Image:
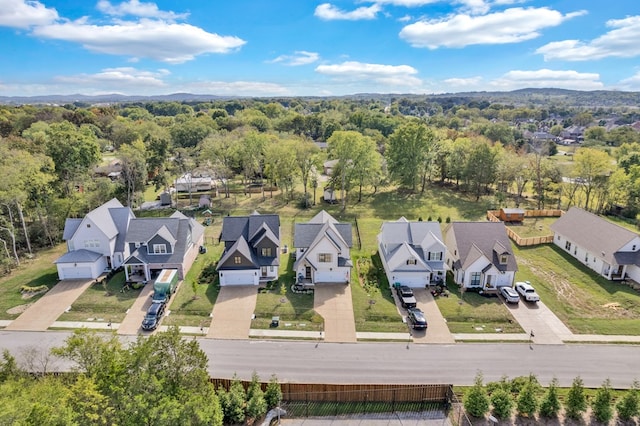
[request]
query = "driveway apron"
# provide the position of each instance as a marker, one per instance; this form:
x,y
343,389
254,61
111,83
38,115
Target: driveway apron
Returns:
x,y
547,328
232,312
135,315
437,331
43,313
333,302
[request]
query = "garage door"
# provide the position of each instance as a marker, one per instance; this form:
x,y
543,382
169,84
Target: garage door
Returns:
x,y
75,273
413,280
238,278
330,277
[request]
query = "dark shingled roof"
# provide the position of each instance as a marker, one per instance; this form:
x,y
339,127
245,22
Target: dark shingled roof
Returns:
x,y
305,233
474,237
235,226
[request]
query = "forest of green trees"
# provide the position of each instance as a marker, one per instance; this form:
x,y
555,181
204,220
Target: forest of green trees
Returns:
x,y
49,154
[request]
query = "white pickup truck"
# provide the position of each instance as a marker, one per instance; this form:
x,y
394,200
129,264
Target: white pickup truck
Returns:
x,y
527,292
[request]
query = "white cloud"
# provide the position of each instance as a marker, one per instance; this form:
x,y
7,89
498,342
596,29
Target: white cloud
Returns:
x,y
543,78
463,83
390,75
25,14
330,12
162,41
299,57
235,88
136,8
621,41
117,77
508,26
632,83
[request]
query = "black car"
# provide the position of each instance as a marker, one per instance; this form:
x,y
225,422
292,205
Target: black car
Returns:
x,y
417,319
154,313
407,299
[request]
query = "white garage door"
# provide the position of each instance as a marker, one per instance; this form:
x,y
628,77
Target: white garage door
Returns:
x,y
238,278
72,273
330,277
413,280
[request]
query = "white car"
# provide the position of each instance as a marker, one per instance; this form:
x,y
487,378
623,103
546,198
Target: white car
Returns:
x,y
527,291
510,295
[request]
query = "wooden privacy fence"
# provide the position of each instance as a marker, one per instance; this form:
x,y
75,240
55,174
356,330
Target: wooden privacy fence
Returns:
x,y
440,393
492,216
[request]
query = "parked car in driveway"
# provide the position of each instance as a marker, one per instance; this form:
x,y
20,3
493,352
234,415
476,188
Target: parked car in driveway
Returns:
x,y
510,295
416,318
526,290
152,319
405,294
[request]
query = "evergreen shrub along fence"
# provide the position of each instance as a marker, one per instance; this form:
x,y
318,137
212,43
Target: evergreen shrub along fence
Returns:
x,y
492,216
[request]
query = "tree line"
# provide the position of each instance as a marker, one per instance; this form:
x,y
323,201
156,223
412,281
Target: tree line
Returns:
x,y
49,155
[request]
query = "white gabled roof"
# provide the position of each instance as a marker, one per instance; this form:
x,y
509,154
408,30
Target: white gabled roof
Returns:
x,y
398,258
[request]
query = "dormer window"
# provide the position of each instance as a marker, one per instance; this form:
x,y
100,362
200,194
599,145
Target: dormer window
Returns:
x,y
159,249
237,260
266,251
504,259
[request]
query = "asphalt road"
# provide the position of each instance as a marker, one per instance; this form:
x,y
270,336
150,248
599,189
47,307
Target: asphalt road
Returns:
x,y
312,362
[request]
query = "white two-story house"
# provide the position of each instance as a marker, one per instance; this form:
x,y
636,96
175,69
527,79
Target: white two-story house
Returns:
x,y
322,250
95,243
412,253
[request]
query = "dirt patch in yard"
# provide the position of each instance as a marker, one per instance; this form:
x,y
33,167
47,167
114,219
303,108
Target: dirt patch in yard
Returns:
x,y
17,310
578,301
29,294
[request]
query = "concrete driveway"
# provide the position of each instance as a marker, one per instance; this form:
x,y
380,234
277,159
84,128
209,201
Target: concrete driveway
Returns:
x,y
232,312
437,331
132,321
537,317
333,302
43,313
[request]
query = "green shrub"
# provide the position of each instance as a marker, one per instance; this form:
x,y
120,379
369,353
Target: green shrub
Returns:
x,y
576,402
629,406
273,393
602,403
550,405
502,402
527,404
476,400
256,403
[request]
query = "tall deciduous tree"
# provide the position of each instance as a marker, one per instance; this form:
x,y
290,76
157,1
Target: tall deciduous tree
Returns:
x,y
74,152
409,153
591,165
134,169
307,159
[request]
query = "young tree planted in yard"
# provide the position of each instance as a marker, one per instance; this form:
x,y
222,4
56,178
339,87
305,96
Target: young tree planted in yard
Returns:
x,y
502,402
256,402
602,404
273,393
235,400
476,400
550,405
629,405
576,402
527,404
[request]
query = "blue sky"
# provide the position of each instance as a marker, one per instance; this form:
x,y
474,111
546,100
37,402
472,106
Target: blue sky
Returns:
x,y
316,48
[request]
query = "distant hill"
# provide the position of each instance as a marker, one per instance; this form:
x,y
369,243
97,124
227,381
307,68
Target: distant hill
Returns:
x,y
534,97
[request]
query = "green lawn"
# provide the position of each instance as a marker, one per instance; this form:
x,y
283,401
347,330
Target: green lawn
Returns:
x,y
34,272
534,227
102,302
584,301
471,313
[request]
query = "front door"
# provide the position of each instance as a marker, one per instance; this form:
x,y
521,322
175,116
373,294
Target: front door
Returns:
x,y
307,273
263,270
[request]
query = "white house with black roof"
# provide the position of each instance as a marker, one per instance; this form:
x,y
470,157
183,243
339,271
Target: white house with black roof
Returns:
x,y
480,255
412,253
110,236
323,250
95,243
608,249
251,249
